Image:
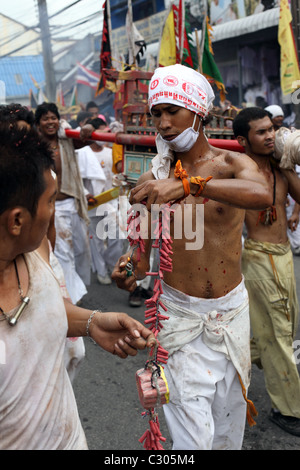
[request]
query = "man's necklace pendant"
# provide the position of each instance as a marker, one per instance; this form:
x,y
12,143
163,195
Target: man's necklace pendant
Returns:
x,y
267,216
13,320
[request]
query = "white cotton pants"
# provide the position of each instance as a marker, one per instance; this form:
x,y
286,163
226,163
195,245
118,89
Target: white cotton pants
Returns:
x,y
72,248
207,411
105,253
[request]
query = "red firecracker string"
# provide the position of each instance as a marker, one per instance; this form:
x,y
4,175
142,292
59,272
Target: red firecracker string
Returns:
x,y
152,438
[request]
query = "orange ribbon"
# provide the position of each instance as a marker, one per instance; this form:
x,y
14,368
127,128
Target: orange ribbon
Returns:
x,y
201,182
180,173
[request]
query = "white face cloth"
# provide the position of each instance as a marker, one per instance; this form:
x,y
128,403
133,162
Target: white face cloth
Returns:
x,y
184,141
181,86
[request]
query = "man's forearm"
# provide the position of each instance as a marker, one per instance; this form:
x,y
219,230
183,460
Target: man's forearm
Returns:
x,y
77,319
239,193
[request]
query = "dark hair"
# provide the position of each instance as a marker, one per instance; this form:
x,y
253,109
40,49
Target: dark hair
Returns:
x,y
97,122
23,159
83,115
14,112
44,108
241,121
91,104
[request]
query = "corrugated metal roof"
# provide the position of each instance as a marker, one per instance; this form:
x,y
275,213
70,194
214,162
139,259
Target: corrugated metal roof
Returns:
x,y
249,24
16,73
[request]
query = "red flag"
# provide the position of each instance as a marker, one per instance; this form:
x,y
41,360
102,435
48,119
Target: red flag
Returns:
x,y
105,54
179,29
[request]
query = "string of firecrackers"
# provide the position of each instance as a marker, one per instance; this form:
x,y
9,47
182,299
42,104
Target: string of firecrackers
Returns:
x,y
153,371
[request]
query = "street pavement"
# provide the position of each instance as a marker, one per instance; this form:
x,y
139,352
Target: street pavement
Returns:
x,y
107,397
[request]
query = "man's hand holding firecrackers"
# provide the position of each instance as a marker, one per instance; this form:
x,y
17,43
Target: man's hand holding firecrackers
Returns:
x,y
124,279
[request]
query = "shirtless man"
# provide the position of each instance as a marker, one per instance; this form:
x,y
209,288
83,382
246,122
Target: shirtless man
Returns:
x,y
269,273
206,409
37,405
71,217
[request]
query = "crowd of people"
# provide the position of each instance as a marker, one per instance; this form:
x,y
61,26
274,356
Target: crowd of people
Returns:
x,y
231,304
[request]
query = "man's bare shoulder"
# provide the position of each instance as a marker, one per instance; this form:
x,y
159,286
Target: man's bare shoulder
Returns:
x,y
233,163
238,158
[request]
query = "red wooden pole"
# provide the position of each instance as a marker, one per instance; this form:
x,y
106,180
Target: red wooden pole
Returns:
x,y
148,140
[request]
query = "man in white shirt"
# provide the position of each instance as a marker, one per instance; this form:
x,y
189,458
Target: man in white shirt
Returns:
x,y
38,410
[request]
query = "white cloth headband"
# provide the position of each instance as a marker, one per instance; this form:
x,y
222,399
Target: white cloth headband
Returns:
x,y
182,86
275,110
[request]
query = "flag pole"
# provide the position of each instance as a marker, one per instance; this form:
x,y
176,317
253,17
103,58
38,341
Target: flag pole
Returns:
x,y
109,20
130,21
182,13
200,45
198,51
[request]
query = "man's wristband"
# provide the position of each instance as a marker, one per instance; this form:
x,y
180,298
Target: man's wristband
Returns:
x,y
201,182
180,173
87,330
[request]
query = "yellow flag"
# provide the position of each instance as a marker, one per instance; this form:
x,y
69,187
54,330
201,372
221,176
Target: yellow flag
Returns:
x,y
289,66
167,52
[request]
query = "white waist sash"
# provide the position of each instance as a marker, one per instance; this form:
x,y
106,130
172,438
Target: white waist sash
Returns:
x,y
228,332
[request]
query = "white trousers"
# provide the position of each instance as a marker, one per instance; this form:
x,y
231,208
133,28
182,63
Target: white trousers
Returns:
x,y
72,249
105,253
207,411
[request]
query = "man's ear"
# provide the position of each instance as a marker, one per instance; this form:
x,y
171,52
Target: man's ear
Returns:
x,y
241,140
16,219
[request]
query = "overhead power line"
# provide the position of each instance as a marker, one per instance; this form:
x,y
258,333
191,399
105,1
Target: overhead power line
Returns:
x,y
60,29
57,29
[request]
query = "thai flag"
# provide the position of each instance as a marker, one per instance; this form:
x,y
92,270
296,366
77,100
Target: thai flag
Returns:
x,y
86,76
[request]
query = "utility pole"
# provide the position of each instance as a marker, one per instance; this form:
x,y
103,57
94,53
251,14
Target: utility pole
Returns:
x,y
50,91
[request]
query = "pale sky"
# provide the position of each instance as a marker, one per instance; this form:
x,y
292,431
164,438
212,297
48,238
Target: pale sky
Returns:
x,y
26,12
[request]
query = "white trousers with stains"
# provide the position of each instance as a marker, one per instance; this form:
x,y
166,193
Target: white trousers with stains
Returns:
x,y
207,410
72,248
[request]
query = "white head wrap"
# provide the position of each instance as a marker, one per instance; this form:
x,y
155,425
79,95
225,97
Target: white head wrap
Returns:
x,y
275,110
182,86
